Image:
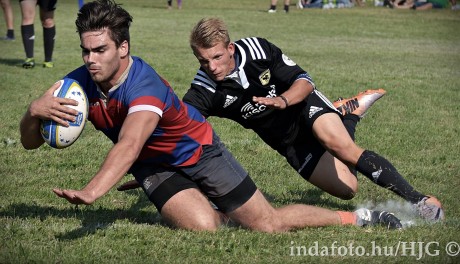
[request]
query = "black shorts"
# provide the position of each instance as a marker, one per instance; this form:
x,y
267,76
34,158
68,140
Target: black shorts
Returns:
x,y
217,175
47,5
306,151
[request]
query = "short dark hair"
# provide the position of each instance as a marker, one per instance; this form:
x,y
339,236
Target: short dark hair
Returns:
x,y
209,32
105,14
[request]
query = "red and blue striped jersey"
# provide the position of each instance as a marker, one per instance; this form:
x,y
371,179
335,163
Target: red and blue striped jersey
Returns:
x,y
181,132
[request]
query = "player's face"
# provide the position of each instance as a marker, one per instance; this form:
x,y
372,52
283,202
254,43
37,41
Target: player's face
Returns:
x,y
102,58
217,61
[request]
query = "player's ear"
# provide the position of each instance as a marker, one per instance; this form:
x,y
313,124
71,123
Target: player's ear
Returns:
x,y
231,48
124,48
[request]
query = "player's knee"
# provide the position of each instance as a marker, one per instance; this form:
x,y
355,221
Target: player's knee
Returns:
x,y
347,194
349,191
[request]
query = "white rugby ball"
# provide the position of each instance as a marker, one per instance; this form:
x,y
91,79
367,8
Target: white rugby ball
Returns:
x,y
56,135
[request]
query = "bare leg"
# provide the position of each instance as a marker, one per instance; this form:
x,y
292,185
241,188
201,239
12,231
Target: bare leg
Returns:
x,y
258,214
190,209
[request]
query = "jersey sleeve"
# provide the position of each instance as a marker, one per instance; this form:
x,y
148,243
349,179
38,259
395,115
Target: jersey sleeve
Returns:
x,y
200,98
147,94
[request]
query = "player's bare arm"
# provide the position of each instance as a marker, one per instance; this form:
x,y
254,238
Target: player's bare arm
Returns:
x,y
136,129
298,91
47,107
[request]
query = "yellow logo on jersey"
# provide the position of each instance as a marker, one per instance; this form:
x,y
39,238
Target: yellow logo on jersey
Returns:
x,y
265,77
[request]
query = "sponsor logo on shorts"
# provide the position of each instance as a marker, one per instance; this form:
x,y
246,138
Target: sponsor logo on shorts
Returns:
x,y
307,159
314,110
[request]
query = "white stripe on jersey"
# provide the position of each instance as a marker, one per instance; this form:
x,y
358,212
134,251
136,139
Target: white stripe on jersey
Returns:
x,y
150,108
202,79
254,48
259,47
250,49
243,78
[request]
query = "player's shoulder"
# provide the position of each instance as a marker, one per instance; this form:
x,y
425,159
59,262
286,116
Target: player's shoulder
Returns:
x,y
203,82
254,48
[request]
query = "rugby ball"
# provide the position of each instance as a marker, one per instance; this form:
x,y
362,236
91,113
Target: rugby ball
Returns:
x,y
56,135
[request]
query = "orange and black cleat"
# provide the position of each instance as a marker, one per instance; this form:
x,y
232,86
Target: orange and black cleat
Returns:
x,y
359,104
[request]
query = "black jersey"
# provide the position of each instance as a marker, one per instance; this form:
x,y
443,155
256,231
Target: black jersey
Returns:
x,y
263,71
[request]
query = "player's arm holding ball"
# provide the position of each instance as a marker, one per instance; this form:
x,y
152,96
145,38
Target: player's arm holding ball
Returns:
x,y
47,107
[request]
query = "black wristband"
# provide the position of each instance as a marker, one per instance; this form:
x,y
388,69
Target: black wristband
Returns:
x,y
284,99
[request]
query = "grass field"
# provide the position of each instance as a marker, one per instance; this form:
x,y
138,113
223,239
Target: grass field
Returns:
x,y
415,56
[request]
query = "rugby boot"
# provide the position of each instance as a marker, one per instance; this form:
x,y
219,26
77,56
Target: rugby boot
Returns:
x,y
48,64
29,63
430,209
366,217
359,104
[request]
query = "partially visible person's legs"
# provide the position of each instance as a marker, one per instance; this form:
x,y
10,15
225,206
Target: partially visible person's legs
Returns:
x,y
49,30
8,12
28,31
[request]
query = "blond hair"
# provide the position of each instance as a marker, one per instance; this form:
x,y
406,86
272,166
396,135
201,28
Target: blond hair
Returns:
x,y
208,32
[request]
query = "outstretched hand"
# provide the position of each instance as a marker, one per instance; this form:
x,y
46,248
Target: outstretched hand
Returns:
x,y
75,197
272,102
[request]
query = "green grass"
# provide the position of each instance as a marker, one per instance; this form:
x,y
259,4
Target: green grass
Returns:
x,y
415,56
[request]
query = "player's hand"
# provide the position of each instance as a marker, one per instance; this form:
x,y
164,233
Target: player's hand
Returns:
x,y
273,102
75,197
49,107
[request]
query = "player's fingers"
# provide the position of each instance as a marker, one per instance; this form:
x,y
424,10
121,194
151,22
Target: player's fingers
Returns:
x,y
67,101
58,192
54,87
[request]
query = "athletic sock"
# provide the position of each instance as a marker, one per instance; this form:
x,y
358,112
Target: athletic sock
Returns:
x,y
286,8
347,218
350,121
10,33
273,7
383,173
49,35
28,38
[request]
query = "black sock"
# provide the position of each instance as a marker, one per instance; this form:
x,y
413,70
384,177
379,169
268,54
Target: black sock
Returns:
x,y
28,38
381,172
10,33
48,39
286,8
273,7
350,121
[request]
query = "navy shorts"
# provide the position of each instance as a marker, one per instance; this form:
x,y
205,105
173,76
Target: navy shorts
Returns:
x,y
304,153
217,175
